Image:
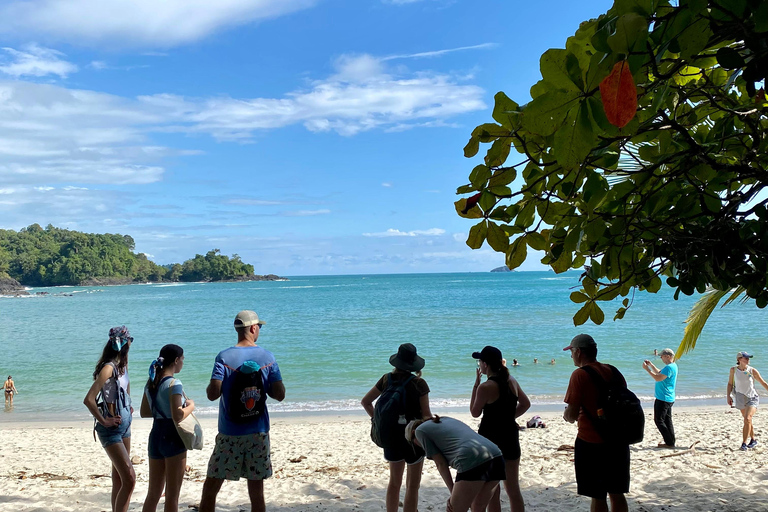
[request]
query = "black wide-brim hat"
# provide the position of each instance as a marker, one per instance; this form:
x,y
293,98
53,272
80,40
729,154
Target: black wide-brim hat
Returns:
x,y
407,359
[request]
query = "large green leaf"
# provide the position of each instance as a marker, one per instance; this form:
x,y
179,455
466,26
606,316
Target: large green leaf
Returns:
x,y
554,69
631,34
488,132
477,234
516,253
497,237
479,176
582,315
596,314
694,38
503,176
505,111
536,241
498,152
575,139
545,114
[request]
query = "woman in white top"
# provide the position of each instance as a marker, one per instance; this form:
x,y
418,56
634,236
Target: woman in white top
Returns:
x,y
741,383
112,414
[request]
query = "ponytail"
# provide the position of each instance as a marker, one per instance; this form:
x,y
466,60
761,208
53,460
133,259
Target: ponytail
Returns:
x,y
168,356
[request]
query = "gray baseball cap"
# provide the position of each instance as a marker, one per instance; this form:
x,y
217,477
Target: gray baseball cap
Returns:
x,y
581,341
247,318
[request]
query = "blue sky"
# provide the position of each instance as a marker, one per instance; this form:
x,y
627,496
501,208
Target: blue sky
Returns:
x,y
307,136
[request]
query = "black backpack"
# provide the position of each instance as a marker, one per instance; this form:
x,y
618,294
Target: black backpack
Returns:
x,y
620,417
388,423
246,395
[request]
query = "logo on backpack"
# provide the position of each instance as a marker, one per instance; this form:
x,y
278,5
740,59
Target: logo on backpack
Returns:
x,y
389,421
247,396
620,417
250,397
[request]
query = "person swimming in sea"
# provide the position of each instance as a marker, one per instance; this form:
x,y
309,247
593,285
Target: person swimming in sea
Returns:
x,y
10,391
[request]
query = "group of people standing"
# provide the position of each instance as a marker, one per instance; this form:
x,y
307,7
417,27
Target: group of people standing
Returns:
x,y
245,374
481,459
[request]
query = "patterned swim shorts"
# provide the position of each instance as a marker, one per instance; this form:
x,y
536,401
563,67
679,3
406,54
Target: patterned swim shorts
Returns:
x,y
236,457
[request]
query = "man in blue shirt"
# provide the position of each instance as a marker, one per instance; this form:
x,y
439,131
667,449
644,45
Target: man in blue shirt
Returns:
x,y
242,444
666,378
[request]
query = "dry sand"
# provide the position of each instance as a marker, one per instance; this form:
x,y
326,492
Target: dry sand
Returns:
x,y
328,463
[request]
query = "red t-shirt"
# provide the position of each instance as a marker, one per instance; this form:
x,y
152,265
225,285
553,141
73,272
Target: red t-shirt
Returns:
x,y
583,394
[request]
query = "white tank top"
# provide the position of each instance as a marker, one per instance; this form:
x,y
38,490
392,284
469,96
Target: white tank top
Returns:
x,y
744,382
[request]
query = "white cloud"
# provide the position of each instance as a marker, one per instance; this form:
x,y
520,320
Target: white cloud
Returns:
x,y
386,184
35,61
359,97
306,213
134,23
438,53
396,232
53,135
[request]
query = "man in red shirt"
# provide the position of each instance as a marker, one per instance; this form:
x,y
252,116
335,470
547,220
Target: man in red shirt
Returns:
x,y
601,468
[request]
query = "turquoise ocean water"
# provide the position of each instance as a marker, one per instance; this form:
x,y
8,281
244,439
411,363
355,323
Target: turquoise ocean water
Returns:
x,y
333,335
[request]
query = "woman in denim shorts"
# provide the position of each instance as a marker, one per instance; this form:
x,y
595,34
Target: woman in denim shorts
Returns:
x,y
109,401
164,401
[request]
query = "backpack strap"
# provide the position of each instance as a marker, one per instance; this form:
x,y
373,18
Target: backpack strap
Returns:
x,y
602,389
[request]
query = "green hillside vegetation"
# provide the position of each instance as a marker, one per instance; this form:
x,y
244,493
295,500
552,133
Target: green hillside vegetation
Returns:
x,y
49,257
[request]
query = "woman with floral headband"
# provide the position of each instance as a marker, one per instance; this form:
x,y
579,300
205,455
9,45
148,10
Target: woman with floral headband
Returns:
x,y
109,400
164,401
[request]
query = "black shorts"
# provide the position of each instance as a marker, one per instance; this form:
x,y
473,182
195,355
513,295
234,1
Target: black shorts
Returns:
x,y
601,469
489,471
164,440
405,451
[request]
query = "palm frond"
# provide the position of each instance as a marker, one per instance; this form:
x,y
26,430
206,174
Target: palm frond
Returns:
x,y
698,317
736,292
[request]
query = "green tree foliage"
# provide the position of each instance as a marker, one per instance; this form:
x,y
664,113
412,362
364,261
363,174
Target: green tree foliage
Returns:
x,y
214,267
643,155
48,257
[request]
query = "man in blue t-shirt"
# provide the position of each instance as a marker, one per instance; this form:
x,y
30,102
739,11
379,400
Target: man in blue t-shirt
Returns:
x,y
666,379
242,446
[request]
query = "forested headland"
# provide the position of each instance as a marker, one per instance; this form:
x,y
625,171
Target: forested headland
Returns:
x,y
50,256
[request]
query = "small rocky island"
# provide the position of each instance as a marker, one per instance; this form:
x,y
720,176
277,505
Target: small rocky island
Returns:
x,y
502,269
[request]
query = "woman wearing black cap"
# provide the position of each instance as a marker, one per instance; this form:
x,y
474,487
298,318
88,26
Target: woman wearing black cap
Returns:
x,y
399,453
500,400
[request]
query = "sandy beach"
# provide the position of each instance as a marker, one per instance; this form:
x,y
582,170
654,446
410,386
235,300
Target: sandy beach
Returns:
x,y
328,463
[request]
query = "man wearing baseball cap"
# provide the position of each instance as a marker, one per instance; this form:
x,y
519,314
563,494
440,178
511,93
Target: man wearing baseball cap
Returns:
x,y
601,469
666,379
242,444
741,383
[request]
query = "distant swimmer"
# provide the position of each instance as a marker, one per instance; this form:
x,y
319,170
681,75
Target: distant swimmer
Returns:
x,y
655,352
10,390
535,360
515,363
552,361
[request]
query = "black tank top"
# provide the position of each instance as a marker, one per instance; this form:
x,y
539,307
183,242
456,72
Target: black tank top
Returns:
x,y
498,422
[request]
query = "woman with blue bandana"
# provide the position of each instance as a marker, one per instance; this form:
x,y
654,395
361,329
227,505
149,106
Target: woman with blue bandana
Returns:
x,y
109,400
164,401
